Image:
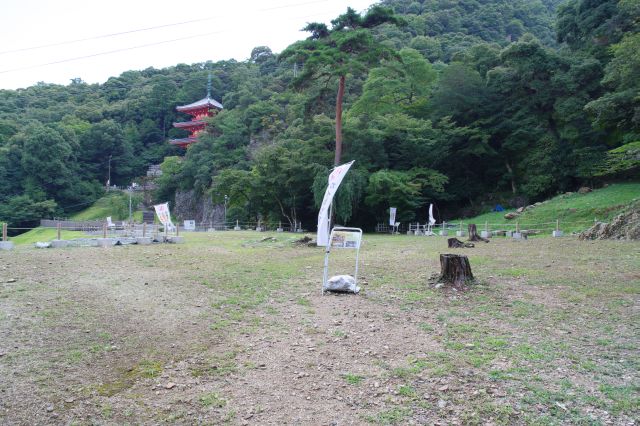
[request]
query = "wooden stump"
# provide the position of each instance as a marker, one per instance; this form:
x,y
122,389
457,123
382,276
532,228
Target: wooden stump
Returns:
x,y
456,243
455,269
473,234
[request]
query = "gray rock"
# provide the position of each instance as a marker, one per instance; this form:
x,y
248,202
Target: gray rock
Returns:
x,y
43,244
342,283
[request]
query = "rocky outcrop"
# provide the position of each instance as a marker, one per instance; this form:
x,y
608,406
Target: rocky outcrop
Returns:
x,y
625,226
201,209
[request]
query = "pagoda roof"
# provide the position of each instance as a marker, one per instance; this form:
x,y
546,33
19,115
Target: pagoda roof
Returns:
x,y
183,142
187,124
204,102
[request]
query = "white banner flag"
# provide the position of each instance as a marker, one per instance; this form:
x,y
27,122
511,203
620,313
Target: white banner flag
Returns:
x,y
335,179
432,220
392,216
162,210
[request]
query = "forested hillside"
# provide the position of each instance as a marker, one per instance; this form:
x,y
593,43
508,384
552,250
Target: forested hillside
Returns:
x,y
459,103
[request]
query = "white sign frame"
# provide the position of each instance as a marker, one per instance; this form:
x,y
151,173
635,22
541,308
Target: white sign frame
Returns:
x,y
345,246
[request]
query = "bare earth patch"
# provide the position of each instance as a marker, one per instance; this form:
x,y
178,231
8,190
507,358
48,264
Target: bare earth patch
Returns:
x,y
232,328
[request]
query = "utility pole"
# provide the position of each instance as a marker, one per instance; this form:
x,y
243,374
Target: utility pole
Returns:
x,y
109,177
226,200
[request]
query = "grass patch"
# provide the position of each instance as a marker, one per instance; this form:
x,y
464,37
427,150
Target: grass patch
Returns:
x,y
219,365
45,234
114,204
390,417
353,379
146,369
212,399
407,391
575,212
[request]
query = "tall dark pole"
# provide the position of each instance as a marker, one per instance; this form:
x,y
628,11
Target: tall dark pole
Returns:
x,y
109,177
226,200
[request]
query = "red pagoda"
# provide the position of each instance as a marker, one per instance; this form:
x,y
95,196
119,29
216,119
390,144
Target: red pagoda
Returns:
x,y
198,111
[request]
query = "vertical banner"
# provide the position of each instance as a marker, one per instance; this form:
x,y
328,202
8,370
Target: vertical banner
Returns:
x,y
162,210
432,220
392,216
335,179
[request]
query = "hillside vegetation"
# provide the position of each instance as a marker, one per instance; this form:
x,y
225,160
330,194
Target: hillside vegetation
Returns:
x,y
114,205
443,102
575,211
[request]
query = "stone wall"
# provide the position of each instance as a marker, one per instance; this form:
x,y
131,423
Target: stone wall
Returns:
x,y
201,209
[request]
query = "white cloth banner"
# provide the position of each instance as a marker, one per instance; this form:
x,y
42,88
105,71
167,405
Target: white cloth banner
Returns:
x,y
432,220
335,179
162,210
392,216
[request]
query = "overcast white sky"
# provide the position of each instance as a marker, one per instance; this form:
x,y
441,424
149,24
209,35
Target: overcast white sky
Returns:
x,y
231,29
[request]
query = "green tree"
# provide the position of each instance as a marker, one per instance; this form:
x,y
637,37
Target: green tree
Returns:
x,y
347,48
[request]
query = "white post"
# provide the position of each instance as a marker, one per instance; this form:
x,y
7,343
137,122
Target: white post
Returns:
x,y
485,233
444,231
557,232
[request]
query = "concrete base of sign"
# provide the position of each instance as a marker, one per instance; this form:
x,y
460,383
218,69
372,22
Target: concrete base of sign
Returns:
x,y
557,234
517,235
461,233
176,240
259,229
485,234
508,234
143,241
237,228
279,230
105,242
299,231
59,243
6,245
444,233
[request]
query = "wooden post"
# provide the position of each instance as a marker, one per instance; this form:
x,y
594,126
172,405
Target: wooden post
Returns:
x,y
4,232
59,230
144,229
104,230
486,226
557,224
177,229
460,226
517,227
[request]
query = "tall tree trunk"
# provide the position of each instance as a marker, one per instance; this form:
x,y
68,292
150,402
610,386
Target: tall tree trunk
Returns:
x,y
513,178
339,99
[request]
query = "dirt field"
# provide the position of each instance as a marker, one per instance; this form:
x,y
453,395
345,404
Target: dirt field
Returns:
x,y
229,329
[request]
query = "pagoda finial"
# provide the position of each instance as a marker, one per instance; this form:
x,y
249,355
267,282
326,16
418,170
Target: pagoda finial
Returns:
x,y
209,85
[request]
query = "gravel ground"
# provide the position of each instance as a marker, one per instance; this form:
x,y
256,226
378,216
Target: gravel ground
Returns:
x,y
228,328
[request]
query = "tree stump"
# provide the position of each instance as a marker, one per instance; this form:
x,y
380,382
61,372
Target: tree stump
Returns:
x,y
473,234
456,243
455,269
